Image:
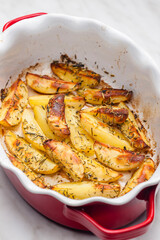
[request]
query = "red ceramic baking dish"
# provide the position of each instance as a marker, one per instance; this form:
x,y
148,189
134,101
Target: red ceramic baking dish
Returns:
x,y
43,37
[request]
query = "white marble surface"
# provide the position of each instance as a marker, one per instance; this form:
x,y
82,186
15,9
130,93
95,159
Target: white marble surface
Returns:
x,y
141,21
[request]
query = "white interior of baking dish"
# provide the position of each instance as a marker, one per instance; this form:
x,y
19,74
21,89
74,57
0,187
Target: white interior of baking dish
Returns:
x,y
101,48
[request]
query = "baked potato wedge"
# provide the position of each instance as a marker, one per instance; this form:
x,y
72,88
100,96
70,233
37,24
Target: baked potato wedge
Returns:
x,y
75,73
103,133
34,177
143,174
111,115
48,85
72,101
64,155
32,131
116,158
82,190
56,116
41,100
35,160
13,104
40,117
105,96
134,133
95,171
80,139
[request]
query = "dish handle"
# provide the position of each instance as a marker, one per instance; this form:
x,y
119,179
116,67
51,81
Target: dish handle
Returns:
x,y
13,21
80,216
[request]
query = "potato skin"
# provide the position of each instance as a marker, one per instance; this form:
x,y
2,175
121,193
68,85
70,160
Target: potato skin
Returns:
x,y
135,134
56,116
34,177
66,157
143,174
75,102
105,96
103,133
116,158
13,104
82,190
34,159
75,73
48,85
111,115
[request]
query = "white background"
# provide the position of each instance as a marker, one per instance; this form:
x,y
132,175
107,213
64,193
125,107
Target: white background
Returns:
x,y
140,19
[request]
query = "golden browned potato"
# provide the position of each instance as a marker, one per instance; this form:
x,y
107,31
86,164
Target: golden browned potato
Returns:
x,y
82,190
48,85
95,171
35,160
32,131
13,104
109,114
40,100
75,73
56,116
65,156
34,177
117,158
105,96
40,116
76,102
104,133
80,139
143,174
135,134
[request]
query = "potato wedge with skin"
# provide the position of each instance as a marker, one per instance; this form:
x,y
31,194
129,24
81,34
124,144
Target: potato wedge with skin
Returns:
x,y
64,155
111,115
40,117
103,133
35,160
80,139
76,102
56,116
143,174
34,177
48,85
95,171
13,104
75,73
133,132
116,158
32,131
105,96
82,190
41,100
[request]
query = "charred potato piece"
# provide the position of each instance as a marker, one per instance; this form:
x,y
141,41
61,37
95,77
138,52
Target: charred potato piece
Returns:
x,y
32,131
64,155
143,174
56,116
116,158
75,102
41,100
48,85
103,133
105,96
40,117
80,139
82,190
34,177
95,171
13,104
133,132
75,73
111,115
35,160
